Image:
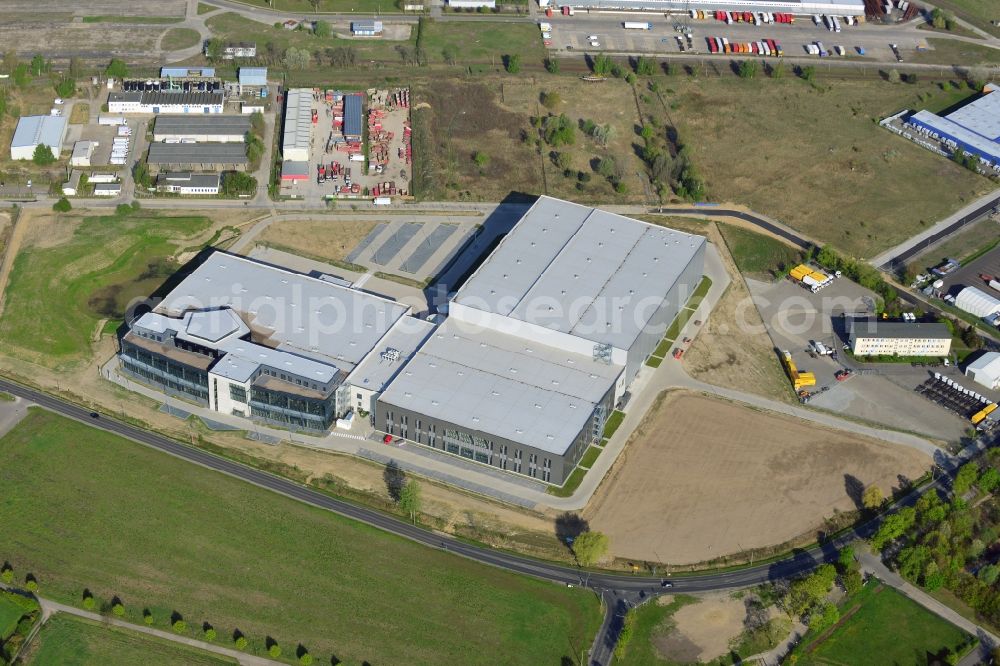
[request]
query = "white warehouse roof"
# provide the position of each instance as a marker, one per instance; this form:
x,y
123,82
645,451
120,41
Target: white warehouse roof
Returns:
x,y
253,76
293,312
298,125
34,130
977,302
985,369
581,271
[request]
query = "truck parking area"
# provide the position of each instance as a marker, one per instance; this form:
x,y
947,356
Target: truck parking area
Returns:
x,y
668,35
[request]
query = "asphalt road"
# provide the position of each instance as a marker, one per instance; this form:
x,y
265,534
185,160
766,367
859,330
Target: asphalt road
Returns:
x,y
619,592
746,217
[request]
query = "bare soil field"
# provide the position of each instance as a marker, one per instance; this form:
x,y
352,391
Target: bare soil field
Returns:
x,y
733,349
702,478
330,239
702,631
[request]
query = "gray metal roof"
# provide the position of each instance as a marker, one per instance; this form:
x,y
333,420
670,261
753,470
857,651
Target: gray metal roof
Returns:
x,y
581,271
950,128
298,120
501,385
188,124
875,328
366,25
188,179
35,130
187,72
197,153
295,312
352,115
163,98
108,187
853,7
253,76
981,116
223,330
386,360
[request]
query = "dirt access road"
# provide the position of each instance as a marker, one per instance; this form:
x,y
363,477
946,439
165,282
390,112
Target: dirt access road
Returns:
x,y
702,478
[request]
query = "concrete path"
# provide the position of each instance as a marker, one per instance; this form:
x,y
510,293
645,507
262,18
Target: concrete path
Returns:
x,y
872,563
50,607
11,413
921,238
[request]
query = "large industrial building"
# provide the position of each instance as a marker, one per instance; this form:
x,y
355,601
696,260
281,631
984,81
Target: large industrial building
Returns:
x,y
543,339
538,346
874,337
838,7
257,341
32,131
195,156
985,370
296,138
135,101
975,128
185,182
211,128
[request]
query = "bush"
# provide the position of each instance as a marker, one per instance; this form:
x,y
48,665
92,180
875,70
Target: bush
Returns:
x,y
66,88
62,206
118,609
748,69
644,66
274,650
180,626
551,65
512,63
31,585
241,642
306,659
550,100
123,210
43,155
88,602
147,617
7,575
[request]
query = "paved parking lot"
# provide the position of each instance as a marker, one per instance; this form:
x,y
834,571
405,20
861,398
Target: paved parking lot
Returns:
x,y
968,275
573,34
415,248
881,393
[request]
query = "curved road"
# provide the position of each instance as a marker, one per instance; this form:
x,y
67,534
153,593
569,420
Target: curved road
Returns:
x,y
767,225
619,592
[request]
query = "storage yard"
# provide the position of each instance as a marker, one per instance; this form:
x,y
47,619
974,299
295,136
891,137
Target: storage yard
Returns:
x,y
340,144
662,499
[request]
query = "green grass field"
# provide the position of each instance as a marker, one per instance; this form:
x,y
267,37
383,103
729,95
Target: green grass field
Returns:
x,y
132,19
69,641
10,614
887,624
482,41
179,38
756,253
86,509
230,26
57,295
850,183
650,620
590,457
977,12
338,6
950,52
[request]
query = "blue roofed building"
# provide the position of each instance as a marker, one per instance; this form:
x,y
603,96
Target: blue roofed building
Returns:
x,y
352,117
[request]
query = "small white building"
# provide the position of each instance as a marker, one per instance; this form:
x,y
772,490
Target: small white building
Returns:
x,y
185,182
977,302
472,4
107,189
72,187
985,370
82,152
96,178
33,131
366,28
874,337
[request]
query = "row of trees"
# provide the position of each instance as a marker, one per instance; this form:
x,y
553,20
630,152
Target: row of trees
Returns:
x,y
176,620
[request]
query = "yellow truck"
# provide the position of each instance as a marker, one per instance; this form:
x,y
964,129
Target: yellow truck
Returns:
x,y
983,413
799,379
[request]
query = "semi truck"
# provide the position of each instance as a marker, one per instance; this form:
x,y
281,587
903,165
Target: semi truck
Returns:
x,y
636,25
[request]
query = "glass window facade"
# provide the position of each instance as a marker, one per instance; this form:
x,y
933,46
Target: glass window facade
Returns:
x,y
292,410
168,375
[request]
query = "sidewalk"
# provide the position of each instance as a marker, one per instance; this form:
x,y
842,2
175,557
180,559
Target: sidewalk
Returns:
x,y
50,607
872,563
914,241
